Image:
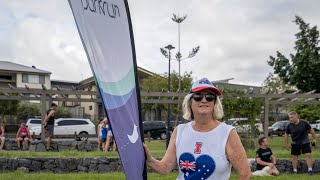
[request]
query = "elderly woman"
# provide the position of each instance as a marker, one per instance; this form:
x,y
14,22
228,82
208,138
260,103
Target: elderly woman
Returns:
x,y
203,148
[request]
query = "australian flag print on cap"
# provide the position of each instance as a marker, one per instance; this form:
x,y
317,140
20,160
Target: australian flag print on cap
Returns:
x,y
202,84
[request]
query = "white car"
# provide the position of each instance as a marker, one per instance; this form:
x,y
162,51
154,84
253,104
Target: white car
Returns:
x,y
33,122
70,126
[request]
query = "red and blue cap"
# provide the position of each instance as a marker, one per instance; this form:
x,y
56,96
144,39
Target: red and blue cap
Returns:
x,y
203,84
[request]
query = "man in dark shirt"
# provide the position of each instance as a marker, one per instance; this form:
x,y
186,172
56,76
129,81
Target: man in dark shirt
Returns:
x,y
299,130
49,124
265,157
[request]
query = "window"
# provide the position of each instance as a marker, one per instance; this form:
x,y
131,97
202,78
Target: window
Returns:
x,y
5,78
90,107
33,78
35,121
72,122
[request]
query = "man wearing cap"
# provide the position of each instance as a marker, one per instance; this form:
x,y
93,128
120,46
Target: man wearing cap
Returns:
x,y
49,124
204,148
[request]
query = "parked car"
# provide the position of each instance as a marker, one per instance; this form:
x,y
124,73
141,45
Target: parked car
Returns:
x,y
278,128
157,129
33,122
316,126
70,126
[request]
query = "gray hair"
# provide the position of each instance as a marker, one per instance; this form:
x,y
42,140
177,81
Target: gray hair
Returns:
x,y
292,113
187,112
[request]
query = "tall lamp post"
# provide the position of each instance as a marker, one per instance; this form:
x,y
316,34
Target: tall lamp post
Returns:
x,y
165,53
192,53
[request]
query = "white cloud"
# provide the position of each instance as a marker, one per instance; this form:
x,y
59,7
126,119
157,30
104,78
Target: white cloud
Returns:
x,y
236,37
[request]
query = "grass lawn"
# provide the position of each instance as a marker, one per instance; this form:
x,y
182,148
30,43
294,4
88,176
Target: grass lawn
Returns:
x,y
157,148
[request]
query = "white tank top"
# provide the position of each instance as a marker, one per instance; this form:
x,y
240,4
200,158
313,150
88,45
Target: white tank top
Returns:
x,y
201,155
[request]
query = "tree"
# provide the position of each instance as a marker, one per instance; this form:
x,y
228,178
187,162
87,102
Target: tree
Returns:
x,y
26,109
302,69
274,84
307,112
159,83
8,108
62,112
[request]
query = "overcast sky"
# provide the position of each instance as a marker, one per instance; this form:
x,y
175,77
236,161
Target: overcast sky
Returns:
x,y
236,37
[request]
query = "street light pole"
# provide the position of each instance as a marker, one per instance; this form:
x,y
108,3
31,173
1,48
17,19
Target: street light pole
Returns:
x,y
192,53
164,52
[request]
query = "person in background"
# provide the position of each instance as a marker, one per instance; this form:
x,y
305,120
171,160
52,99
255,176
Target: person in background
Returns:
x,y
299,130
204,148
99,129
49,124
266,158
109,138
23,135
104,134
2,137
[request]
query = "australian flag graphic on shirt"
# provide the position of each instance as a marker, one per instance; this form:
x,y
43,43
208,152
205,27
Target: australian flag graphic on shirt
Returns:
x,y
199,168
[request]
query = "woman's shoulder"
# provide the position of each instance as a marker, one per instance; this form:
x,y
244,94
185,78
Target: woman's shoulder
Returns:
x,y
226,126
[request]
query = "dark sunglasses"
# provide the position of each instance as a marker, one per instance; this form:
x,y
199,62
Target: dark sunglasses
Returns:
x,y
209,97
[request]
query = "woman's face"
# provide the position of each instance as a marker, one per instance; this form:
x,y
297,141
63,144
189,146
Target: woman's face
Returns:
x,y
202,103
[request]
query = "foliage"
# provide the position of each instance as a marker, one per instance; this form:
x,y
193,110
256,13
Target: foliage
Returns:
x,y
273,84
160,84
307,112
302,69
236,105
8,107
62,112
26,109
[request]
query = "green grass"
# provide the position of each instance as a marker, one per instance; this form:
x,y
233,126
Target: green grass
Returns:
x,y
157,148
121,176
277,146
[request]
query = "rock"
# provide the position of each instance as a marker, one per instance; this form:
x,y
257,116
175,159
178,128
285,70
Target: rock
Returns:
x,y
113,166
74,145
86,162
82,168
35,166
22,170
93,168
72,164
94,161
88,146
103,168
40,147
81,145
316,166
61,163
3,163
49,165
8,145
32,148
24,163
120,168
13,164
103,161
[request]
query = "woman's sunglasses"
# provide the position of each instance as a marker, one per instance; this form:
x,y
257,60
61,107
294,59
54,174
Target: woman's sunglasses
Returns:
x,y
209,97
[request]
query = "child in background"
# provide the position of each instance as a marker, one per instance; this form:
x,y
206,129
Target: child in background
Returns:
x,y
99,130
104,132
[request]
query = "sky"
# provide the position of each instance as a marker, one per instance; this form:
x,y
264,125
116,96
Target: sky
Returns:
x,y
236,37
